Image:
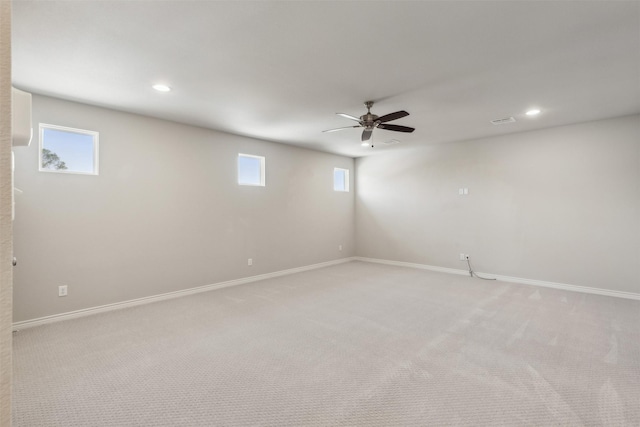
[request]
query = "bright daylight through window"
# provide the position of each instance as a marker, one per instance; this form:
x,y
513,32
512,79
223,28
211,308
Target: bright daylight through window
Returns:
x,y
250,170
340,179
68,150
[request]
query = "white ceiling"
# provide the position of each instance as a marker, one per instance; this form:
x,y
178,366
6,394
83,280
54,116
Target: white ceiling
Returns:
x,y
279,70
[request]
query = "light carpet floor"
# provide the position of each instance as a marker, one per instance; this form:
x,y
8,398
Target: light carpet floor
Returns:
x,y
356,344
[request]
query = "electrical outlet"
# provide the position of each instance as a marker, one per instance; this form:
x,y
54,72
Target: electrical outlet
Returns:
x,y
250,261
62,291
339,247
462,258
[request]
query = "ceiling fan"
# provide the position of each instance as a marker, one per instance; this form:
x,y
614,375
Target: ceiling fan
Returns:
x,y
370,122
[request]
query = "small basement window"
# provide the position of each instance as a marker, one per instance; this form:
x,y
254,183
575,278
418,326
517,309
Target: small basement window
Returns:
x,y
68,150
340,179
251,170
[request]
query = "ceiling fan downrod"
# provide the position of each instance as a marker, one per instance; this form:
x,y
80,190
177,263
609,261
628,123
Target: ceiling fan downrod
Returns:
x,y
369,120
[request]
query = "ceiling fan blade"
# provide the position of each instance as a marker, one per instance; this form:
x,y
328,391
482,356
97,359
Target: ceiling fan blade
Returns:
x,y
346,116
337,129
392,116
396,128
366,135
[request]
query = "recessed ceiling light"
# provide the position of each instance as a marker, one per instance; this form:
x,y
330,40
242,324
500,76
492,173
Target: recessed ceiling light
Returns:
x,y
162,88
533,112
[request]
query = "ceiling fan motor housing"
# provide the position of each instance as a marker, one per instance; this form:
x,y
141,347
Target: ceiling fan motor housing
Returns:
x,y
369,120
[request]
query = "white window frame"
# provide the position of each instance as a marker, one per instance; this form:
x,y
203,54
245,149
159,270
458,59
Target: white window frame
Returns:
x,y
346,179
262,170
92,133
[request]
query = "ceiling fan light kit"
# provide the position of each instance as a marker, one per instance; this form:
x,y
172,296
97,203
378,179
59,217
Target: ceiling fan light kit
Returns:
x,y
370,121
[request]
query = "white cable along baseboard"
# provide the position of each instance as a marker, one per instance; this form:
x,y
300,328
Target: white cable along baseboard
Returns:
x,y
563,286
169,295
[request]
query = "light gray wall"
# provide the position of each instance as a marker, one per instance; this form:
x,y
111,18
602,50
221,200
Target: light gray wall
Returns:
x,y
560,205
166,212
6,251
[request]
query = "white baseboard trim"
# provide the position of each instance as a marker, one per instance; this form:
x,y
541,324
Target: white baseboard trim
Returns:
x,y
176,294
413,265
563,286
169,295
